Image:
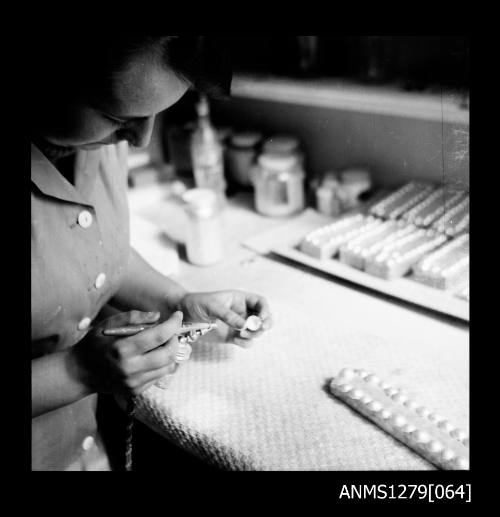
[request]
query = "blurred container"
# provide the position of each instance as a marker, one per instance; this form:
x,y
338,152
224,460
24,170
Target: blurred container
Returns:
x,y
204,235
241,156
178,142
328,201
355,183
279,185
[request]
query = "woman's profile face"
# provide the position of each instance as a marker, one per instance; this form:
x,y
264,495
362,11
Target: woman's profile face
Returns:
x,y
125,112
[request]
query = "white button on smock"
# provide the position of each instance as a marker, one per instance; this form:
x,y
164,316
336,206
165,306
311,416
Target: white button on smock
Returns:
x,y
84,218
99,281
88,443
84,324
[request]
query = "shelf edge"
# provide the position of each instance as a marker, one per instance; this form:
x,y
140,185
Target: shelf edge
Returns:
x,y
347,97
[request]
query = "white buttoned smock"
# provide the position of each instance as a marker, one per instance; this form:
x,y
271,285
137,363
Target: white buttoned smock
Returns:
x,y
79,251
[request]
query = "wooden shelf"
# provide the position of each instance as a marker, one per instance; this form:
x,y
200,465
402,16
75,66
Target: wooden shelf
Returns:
x,y
351,96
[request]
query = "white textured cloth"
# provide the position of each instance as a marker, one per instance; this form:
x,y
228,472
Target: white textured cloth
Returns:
x,y
268,407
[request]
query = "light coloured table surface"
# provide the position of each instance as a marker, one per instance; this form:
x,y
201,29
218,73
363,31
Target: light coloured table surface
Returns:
x,y
266,408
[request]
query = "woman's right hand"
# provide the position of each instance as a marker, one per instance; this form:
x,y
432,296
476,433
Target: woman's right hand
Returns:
x,y
128,365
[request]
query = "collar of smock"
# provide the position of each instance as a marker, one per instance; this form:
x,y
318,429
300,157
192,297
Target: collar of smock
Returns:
x,y
52,183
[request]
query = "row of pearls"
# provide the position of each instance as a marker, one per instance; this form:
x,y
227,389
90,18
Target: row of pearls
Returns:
x,y
446,220
388,242
381,208
415,212
373,234
392,248
420,437
445,252
320,234
413,200
441,209
416,252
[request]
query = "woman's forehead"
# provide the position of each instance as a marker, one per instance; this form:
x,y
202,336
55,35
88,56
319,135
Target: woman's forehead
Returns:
x,y
144,88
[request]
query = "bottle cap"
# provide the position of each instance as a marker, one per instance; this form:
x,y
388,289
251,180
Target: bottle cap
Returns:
x,y
246,139
330,179
278,162
202,107
200,201
282,144
358,176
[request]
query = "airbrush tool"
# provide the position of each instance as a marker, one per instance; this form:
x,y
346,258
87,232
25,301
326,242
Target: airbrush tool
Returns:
x,y
188,333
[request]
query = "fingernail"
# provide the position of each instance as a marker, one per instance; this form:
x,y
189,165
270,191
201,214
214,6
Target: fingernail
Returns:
x,y
179,314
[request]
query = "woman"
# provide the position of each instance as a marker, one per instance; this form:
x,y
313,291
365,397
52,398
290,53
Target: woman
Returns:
x,y
95,97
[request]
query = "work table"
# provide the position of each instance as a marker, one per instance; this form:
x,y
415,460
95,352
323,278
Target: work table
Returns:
x,y
268,407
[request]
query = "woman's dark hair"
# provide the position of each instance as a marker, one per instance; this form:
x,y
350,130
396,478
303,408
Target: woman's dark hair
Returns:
x,y
87,63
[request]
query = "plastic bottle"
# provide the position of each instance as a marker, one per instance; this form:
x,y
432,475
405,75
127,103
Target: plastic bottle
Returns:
x,y
207,153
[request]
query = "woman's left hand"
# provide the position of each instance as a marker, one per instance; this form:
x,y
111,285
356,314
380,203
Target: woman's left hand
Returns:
x,y
232,307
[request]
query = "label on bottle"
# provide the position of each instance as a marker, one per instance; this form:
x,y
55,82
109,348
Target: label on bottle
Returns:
x,y
279,191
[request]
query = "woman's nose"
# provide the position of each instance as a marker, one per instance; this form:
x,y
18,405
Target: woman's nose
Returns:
x,y
138,134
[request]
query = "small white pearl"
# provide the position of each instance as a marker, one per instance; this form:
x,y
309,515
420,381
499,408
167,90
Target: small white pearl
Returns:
x,y
448,455
391,392
366,399
385,385
446,425
386,414
458,434
400,421
345,388
372,379
409,428
422,436
356,394
347,373
462,463
375,406
253,323
362,373
435,446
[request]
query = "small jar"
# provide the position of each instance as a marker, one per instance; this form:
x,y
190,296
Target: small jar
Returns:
x,y
241,156
279,185
328,201
204,235
355,182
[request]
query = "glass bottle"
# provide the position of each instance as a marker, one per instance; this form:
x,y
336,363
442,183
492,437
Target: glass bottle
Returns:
x,y
207,154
